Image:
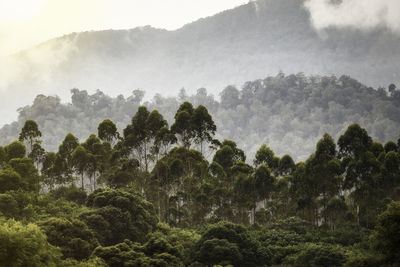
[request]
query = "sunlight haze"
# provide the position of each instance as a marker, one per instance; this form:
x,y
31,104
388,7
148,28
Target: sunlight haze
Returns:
x,y
25,23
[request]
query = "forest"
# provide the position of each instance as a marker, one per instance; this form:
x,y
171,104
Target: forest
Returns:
x,y
288,112
173,194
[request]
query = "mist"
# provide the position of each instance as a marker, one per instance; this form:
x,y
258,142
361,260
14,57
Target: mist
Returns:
x,y
359,14
25,74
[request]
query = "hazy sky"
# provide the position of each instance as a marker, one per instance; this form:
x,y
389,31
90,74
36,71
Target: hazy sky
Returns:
x,y
27,22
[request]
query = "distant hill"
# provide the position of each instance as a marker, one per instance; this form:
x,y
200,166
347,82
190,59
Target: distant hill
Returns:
x,y
289,113
254,40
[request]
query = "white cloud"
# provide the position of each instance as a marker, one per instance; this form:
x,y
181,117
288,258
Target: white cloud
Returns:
x,y
361,14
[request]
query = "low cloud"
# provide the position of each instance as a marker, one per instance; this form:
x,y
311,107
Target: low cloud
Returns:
x,y
359,14
28,73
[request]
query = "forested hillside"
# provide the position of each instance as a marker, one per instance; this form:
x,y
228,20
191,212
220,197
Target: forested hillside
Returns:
x,y
289,113
148,196
255,40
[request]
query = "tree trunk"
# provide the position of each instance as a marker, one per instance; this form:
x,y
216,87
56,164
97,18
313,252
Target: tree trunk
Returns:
x,y
82,181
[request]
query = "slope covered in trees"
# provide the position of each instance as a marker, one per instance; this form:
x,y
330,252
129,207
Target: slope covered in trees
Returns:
x,y
147,197
289,113
254,40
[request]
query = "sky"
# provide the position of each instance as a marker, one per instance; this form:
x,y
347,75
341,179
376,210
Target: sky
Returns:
x,y
24,23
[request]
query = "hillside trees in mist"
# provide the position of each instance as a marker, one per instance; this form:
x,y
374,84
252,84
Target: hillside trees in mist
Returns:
x,y
248,42
289,113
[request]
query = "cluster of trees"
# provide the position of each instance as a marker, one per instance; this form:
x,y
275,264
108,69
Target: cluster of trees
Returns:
x,y
155,200
290,113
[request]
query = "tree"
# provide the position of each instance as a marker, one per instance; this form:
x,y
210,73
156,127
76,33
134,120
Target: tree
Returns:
x,y
219,252
25,245
354,142
157,133
10,180
324,170
335,212
70,193
203,126
30,133
73,237
118,215
183,125
386,236
264,184
3,156
15,150
48,169
80,161
286,165
229,243
64,163
392,89
28,172
265,155
238,154
107,131
99,158
134,254
225,157
230,97
37,154
390,146
326,149
144,134
264,181
120,179
315,255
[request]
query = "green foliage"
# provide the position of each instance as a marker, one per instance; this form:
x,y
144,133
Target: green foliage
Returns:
x,y
203,126
386,237
73,237
70,193
8,206
119,215
219,252
25,245
145,136
107,131
28,172
133,254
92,262
37,154
292,224
230,244
28,206
354,141
264,155
80,162
3,155
314,255
286,165
183,240
15,150
30,133
10,180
